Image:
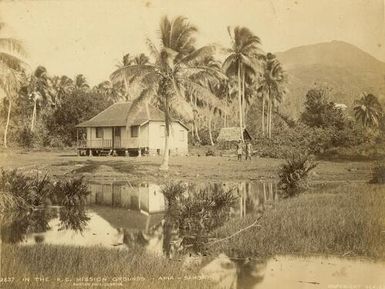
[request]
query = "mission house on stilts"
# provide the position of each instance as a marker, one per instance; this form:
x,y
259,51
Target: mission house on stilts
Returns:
x,y
107,133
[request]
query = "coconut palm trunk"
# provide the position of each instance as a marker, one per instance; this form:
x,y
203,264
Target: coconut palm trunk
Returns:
x,y
33,120
209,127
166,153
270,116
243,100
263,116
240,101
7,123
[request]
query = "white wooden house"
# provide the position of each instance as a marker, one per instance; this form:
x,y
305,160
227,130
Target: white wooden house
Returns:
x,y
107,133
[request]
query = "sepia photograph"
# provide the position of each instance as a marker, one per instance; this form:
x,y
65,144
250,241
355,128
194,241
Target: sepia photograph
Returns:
x,y
225,144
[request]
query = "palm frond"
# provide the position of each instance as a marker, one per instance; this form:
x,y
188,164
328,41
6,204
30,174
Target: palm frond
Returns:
x,y
199,54
137,105
12,61
127,72
230,64
202,94
181,107
13,46
153,50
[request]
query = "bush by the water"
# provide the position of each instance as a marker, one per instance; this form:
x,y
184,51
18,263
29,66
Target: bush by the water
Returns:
x,y
24,191
293,174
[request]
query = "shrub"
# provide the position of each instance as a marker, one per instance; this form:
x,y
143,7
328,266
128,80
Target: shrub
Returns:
x,y
71,192
378,173
293,174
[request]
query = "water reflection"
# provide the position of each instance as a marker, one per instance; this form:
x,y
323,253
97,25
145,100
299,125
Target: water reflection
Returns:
x,y
294,272
123,215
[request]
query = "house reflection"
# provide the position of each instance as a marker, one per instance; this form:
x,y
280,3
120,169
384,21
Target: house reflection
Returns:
x,y
146,198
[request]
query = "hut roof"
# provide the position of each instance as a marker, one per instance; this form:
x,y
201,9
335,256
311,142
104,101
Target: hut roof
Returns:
x,y
232,134
116,115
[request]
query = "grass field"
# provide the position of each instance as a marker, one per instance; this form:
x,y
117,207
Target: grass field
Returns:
x,y
192,168
346,220
117,266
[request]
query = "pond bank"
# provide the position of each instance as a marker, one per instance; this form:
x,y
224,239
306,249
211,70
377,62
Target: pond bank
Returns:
x,y
191,168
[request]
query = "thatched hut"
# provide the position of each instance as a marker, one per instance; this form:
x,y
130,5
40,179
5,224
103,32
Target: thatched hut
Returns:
x,y
228,136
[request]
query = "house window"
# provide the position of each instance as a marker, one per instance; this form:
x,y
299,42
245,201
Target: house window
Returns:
x,y
135,131
181,135
99,132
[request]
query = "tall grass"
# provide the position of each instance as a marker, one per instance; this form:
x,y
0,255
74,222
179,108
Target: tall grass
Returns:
x,y
347,220
70,262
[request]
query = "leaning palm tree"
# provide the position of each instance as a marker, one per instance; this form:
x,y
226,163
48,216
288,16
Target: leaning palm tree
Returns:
x,y
272,87
368,110
12,53
242,62
167,80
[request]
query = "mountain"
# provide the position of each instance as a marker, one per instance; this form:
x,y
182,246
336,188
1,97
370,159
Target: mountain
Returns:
x,y
345,68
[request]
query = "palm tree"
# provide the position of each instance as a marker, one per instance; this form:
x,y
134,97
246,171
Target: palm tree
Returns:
x,y
272,88
215,86
368,110
80,83
170,76
62,86
242,61
12,53
40,92
141,59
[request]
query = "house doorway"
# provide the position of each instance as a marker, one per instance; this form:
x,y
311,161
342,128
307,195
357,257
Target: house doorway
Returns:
x,y
116,137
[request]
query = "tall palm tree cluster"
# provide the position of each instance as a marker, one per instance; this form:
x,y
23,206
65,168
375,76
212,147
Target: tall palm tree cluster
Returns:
x,y
12,54
187,81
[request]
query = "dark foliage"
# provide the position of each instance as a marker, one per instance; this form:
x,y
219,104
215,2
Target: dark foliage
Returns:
x,y
75,108
293,174
378,173
319,112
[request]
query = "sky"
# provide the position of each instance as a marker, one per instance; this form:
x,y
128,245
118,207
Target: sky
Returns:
x,y
91,36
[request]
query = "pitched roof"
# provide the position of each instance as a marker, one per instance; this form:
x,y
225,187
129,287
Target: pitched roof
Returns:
x,y
116,115
232,134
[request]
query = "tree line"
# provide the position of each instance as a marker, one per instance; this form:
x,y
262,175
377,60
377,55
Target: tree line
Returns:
x,y
183,80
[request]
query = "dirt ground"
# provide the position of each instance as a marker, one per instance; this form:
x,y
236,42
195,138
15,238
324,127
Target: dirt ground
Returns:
x,y
191,168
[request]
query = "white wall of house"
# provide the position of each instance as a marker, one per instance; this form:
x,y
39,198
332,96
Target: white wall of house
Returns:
x,y
151,135
177,142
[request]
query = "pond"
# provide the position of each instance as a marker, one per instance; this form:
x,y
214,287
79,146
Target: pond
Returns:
x,y
177,220
122,215
295,272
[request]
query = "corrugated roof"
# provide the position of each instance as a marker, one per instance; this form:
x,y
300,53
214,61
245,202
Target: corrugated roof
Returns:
x,y
116,115
232,134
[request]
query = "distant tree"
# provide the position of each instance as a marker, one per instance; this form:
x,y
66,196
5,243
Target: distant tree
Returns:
x,y
319,112
62,87
80,82
76,107
141,59
272,87
40,92
12,53
368,110
242,63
